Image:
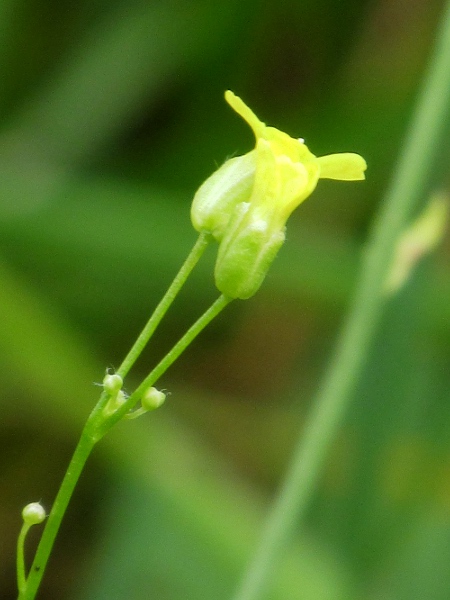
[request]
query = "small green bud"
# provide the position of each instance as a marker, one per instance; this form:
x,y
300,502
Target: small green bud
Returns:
x,y
112,384
152,399
33,513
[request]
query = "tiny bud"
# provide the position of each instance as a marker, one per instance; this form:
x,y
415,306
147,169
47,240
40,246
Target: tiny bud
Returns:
x,y
152,399
33,513
112,384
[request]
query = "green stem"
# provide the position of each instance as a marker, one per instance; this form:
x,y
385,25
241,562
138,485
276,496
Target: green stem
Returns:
x,y
182,344
21,579
190,262
166,362
97,424
95,428
82,451
412,175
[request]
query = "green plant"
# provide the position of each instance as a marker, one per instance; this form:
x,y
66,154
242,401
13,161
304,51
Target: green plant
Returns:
x,y
244,207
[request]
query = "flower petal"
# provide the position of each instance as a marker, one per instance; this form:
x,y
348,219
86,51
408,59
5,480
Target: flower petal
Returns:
x,y
245,112
280,185
346,166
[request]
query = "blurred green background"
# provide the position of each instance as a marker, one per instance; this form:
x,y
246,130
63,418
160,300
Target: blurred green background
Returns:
x,y
111,115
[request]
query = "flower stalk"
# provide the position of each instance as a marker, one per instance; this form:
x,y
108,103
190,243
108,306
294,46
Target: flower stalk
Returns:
x,y
244,206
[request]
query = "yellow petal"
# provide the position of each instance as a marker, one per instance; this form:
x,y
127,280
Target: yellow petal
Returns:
x,y
280,185
245,112
295,185
345,166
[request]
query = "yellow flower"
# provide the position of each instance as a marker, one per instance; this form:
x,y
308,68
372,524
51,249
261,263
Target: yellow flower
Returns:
x,y
245,204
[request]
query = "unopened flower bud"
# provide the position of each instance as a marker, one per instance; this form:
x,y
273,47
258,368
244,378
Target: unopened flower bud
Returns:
x,y
112,384
152,399
33,513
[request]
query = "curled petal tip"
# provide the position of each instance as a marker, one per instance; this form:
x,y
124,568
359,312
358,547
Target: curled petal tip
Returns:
x,y
239,106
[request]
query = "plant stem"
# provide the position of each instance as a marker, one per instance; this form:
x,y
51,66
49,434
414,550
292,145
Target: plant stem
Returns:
x,y
182,344
97,425
409,184
94,429
21,579
190,262
167,361
82,451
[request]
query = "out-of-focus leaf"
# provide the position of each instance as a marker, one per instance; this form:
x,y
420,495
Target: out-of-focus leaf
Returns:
x,y
123,62
42,354
421,566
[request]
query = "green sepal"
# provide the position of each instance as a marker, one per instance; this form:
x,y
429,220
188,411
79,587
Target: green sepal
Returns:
x,y
245,254
217,197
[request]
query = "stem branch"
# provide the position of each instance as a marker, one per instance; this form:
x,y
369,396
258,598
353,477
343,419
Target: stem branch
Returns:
x,y
167,361
97,424
82,451
190,262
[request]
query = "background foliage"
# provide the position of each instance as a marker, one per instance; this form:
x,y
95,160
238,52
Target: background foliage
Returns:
x,y
112,114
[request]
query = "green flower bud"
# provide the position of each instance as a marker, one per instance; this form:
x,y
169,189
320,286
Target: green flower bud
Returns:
x,y
152,399
33,513
112,384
